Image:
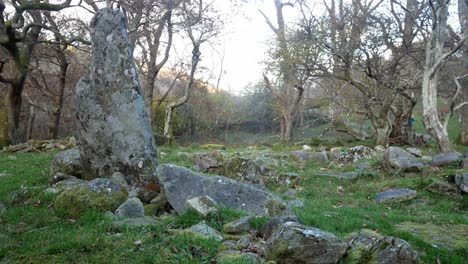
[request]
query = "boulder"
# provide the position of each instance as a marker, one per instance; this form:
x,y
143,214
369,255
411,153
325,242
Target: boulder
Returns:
x,y
371,247
211,162
118,178
206,231
98,194
238,226
181,184
395,195
446,159
256,171
415,151
305,155
443,188
202,205
296,243
132,208
355,154
379,148
400,159
68,163
68,184
275,223
287,179
306,147
58,177
114,130
461,180
243,243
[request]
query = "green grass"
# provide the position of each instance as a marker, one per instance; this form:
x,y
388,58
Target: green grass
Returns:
x,y
38,234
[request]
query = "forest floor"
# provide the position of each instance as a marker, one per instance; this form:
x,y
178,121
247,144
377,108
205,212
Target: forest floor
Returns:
x,y
31,231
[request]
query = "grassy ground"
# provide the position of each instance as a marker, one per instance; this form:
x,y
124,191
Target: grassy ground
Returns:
x,y
32,232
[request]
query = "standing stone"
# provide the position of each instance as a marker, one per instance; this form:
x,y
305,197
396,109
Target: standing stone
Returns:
x,y
114,129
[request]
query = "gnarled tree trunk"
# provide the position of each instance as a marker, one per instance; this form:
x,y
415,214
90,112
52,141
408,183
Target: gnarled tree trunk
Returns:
x,y
463,18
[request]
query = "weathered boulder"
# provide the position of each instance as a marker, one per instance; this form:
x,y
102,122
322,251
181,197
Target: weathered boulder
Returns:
x,y
202,205
118,177
400,159
446,159
238,226
461,180
67,162
181,184
98,194
443,188
275,223
256,171
113,126
205,230
305,155
132,208
355,154
395,195
371,247
58,177
209,162
415,151
295,243
68,184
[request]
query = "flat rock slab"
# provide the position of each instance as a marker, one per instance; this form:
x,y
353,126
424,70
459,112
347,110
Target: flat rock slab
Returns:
x,y
181,184
446,159
395,195
340,175
449,237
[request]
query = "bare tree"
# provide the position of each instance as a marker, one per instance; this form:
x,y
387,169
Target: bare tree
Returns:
x,y
463,84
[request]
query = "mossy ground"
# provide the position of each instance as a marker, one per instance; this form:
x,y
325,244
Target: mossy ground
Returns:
x,y
36,233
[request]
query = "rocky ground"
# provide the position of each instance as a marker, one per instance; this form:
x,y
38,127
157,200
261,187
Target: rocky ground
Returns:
x,y
281,203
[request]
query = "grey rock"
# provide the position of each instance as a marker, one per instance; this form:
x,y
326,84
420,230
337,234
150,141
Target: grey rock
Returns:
x,y
238,226
443,188
296,243
229,244
355,154
206,231
275,223
68,163
202,205
104,185
132,208
426,159
461,180
371,247
181,184
256,171
395,195
305,155
2,208
113,125
61,177
243,243
4,174
134,222
119,178
445,159
110,215
339,175
290,193
400,159
364,165
50,190
209,162
415,151
296,204
379,148
68,184
288,178
465,163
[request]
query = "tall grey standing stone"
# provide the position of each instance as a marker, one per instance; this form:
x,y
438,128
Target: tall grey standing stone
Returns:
x,y
114,129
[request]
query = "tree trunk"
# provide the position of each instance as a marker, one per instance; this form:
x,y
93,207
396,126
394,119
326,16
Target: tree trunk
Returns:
x,y
382,131
31,119
289,126
402,132
14,112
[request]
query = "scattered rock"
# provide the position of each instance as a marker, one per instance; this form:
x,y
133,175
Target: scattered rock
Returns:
x,y
415,151
211,162
38,146
306,147
443,188
238,226
243,243
288,179
61,177
68,184
290,193
118,178
181,184
235,256
449,237
379,148
355,154
275,223
339,175
4,174
98,194
202,205
296,204
395,195
465,163
50,190
68,163
113,126
295,243
257,171
364,165
305,155
461,180
446,159
206,231
229,244
2,208
132,208
400,159
426,159
371,247
134,222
